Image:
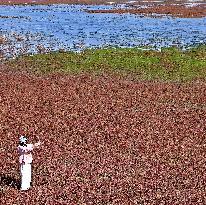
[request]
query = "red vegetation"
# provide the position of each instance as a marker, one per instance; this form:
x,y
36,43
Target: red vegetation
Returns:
x,y
106,140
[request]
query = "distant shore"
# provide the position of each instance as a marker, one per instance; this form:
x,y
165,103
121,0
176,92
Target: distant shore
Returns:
x,y
184,11
129,2
9,2
182,8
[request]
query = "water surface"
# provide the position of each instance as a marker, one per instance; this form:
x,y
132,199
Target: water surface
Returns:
x,y
69,27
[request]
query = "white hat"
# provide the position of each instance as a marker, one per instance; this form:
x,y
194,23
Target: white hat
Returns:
x,y
22,139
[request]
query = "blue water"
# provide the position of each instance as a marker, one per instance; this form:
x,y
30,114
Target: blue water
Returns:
x,y
68,27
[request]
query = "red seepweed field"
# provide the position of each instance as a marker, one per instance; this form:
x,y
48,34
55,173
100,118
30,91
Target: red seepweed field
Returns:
x,y
106,140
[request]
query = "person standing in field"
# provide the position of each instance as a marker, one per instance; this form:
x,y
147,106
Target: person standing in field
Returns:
x,y
25,160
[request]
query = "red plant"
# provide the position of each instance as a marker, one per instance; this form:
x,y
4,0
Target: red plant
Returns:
x,y
107,140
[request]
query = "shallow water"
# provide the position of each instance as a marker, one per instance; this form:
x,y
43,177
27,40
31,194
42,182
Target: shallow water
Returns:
x,y
68,27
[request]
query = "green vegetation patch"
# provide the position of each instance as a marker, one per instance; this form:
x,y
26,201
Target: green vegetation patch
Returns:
x,y
170,64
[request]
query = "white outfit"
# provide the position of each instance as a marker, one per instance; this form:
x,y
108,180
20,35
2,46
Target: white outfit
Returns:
x,y
25,161
25,176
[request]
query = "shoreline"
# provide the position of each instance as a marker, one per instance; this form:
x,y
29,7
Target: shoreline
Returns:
x,y
169,64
